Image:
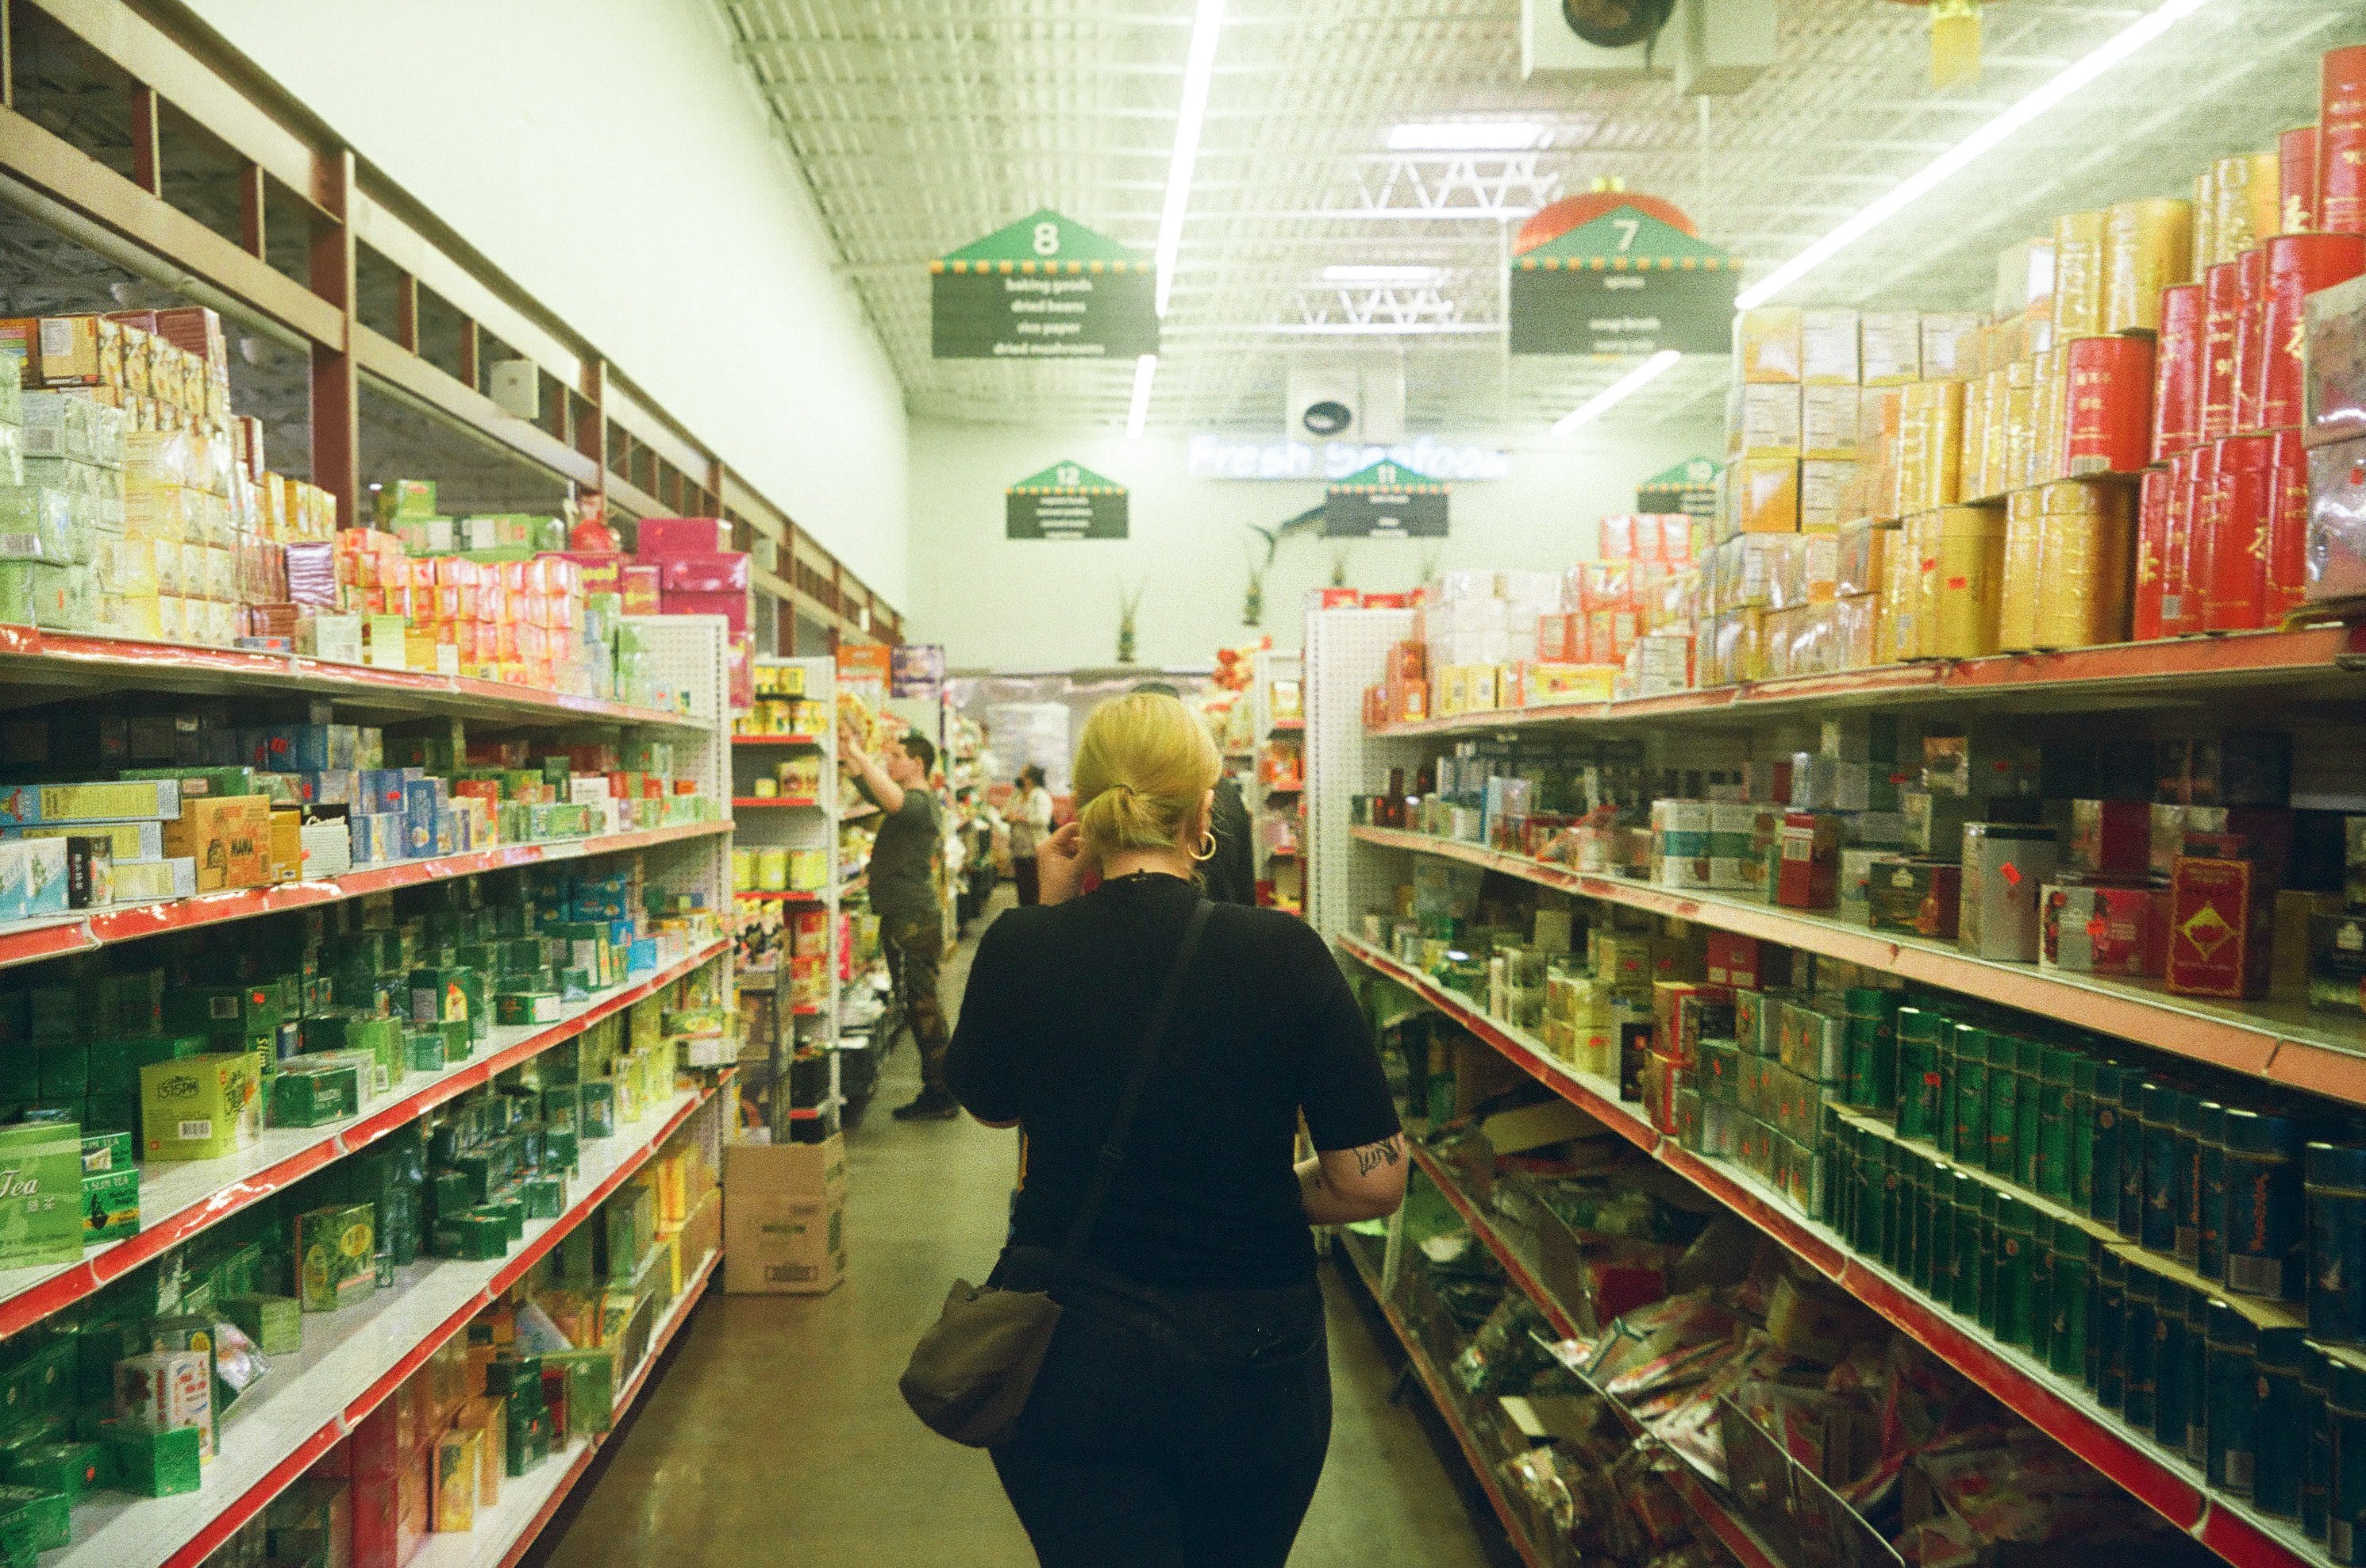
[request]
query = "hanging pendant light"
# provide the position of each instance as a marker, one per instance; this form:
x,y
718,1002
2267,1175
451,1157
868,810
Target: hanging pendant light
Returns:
x,y
1955,40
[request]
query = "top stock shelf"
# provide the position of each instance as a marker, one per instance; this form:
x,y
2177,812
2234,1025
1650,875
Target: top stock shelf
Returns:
x,y
74,665
2316,661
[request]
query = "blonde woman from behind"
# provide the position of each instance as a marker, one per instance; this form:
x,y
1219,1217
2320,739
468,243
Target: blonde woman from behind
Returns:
x,y
1183,1412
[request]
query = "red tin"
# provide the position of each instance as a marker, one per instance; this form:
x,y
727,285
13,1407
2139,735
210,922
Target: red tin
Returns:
x,y
2222,304
2237,513
2111,405
2177,372
2298,265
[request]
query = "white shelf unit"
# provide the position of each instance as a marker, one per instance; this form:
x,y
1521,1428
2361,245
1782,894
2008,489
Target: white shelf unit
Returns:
x,y
1267,805
1346,650
796,827
348,1358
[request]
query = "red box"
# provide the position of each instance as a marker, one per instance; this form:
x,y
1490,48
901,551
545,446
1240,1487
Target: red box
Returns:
x,y
683,536
1809,874
1337,598
1745,963
2221,919
732,607
725,572
639,584
2102,929
2110,838
375,1458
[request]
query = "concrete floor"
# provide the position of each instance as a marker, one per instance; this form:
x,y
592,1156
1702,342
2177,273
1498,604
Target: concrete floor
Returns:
x,y
777,1436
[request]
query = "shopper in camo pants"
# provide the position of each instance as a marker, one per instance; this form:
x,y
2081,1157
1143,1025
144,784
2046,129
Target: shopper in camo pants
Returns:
x,y
903,880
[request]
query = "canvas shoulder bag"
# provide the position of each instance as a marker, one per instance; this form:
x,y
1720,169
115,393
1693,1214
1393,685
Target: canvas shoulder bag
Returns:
x,y
971,1374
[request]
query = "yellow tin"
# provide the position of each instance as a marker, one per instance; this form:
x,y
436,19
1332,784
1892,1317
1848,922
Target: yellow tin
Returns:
x,y
2078,275
2017,593
2147,246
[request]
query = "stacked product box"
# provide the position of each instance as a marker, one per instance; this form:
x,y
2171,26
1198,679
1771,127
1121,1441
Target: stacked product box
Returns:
x,y
685,566
535,1375
200,805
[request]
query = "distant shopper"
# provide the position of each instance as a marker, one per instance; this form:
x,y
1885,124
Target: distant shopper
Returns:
x,y
1029,814
1183,1411
903,880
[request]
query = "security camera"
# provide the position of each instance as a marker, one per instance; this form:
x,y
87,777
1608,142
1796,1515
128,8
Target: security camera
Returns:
x,y
1616,24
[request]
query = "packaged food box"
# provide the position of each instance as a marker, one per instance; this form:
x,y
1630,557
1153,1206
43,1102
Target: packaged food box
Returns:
x,y
2221,915
2105,929
2006,865
1914,894
336,1253
200,1107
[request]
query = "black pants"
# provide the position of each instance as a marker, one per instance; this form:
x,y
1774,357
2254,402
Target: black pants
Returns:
x,y
1023,869
1174,1429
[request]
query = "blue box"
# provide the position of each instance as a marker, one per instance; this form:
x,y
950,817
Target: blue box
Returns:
x,y
332,787
447,834
642,956
360,826
381,790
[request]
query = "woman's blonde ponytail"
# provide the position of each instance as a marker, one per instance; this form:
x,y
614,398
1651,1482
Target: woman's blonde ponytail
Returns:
x,y
1143,765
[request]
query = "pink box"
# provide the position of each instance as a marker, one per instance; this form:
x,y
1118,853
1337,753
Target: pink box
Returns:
x,y
732,607
725,572
683,536
741,671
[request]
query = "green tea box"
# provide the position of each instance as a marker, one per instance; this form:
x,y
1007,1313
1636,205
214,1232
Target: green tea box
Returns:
x,y
41,1193
336,1257
276,1323
200,1107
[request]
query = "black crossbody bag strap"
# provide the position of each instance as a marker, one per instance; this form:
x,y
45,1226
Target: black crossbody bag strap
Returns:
x,y
1112,1153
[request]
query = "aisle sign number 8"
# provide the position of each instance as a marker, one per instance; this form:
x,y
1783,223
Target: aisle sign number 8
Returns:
x,y
1047,239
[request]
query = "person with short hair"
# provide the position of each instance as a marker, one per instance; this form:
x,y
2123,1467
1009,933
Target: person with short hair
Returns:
x,y
903,880
1183,1409
1028,815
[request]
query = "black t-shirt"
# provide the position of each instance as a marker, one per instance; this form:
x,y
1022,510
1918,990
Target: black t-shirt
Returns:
x,y
1266,1027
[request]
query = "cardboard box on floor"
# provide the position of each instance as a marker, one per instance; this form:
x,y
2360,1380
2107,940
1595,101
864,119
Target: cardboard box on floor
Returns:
x,y
783,1217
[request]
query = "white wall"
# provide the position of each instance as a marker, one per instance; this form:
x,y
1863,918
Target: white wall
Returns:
x,y
1045,605
612,158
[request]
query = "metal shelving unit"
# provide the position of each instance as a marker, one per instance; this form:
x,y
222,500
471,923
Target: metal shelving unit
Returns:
x,y
2047,1401
220,137
796,823
1275,825
1354,865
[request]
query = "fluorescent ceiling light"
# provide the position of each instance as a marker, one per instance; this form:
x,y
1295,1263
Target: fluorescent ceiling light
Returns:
x,y
1617,392
1924,181
1199,71
1354,272
1138,415
1467,135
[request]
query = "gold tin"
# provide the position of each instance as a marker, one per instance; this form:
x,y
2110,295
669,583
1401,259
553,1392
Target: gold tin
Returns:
x,y
2147,245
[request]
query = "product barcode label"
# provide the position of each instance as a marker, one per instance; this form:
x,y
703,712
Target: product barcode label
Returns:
x,y
790,1275
2255,1276
192,1131
2239,1472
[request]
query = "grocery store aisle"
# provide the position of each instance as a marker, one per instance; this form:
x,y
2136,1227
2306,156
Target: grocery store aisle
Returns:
x,y
777,1435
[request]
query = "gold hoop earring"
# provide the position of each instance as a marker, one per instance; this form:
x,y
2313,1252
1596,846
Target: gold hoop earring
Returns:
x,y
1207,850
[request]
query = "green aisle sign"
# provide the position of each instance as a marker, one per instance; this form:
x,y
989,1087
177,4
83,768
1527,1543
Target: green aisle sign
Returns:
x,y
1043,288
1386,500
1626,282
1689,488
1066,501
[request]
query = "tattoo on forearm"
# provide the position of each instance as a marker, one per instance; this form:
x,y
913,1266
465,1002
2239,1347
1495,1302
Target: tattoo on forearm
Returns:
x,y
1373,1155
